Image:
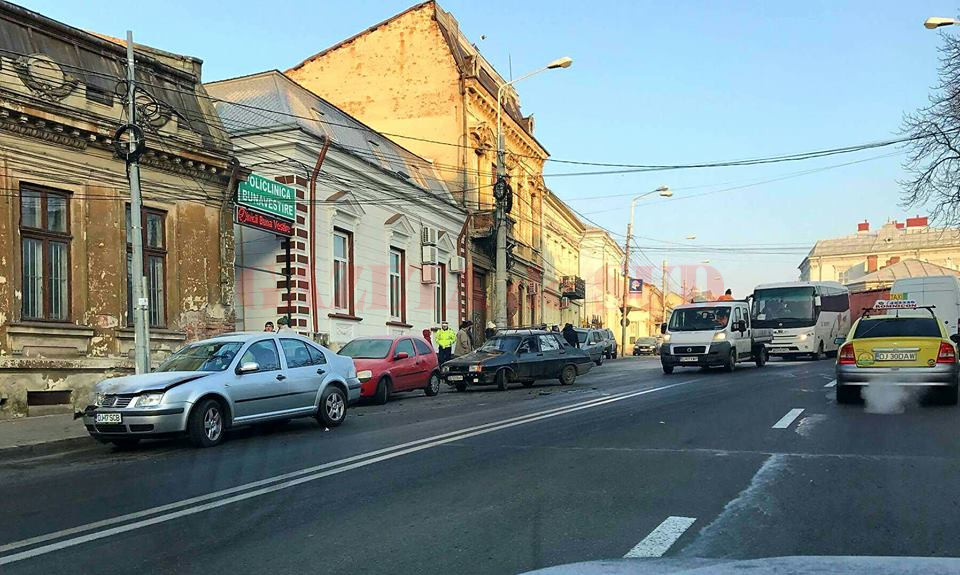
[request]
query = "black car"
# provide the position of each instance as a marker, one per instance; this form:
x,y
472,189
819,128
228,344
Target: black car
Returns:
x,y
517,355
645,346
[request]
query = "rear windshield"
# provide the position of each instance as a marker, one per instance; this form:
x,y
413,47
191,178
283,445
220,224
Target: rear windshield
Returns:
x,y
898,327
367,348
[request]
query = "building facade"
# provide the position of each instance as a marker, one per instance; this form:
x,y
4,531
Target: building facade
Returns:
x,y
849,258
65,305
374,242
441,93
562,233
601,266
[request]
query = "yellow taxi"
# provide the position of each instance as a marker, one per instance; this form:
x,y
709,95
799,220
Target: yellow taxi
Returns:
x,y
908,346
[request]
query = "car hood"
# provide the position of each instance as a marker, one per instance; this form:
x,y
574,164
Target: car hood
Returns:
x,y
149,381
703,337
772,565
475,357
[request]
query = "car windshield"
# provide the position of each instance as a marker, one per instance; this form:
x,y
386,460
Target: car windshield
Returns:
x,y
646,341
367,348
203,356
699,318
502,343
784,307
898,327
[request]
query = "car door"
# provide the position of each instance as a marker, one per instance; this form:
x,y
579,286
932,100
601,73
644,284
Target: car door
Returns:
x,y
426,362
302,377
739,338
262,391
528,358
549,357
405,370
596,347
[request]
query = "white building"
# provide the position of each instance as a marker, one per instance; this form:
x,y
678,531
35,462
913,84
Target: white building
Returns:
x,y
376,247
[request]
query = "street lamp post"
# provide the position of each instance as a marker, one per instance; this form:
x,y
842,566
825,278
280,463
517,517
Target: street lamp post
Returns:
x,y
500,285
665,192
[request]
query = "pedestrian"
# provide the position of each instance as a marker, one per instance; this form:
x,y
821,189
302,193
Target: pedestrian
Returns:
x,y
268,326
426,336
490,331
570,335
445,340
555,328
464,339
283,325
727,296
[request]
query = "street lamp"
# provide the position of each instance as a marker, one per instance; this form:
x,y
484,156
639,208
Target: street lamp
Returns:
x,y
500,286
933,23
664,192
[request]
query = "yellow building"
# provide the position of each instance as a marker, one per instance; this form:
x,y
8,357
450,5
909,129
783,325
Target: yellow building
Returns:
x,y
416,75
601,266
562,233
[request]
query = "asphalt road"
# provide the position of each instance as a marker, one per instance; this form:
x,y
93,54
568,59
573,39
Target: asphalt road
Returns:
x,y
628,461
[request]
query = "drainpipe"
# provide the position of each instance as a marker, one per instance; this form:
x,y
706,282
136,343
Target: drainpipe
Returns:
x,y
313,233
465,183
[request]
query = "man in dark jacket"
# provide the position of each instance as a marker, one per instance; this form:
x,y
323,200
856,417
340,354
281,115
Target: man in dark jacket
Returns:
x,y
570,335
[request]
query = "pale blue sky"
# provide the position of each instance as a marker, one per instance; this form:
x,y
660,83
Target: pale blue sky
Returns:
x,y
652,83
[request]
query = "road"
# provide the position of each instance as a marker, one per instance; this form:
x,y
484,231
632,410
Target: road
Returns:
x,y
626,461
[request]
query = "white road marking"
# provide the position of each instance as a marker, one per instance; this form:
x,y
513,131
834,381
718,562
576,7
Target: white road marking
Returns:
x,y
789,418
831,384
286,480
662,538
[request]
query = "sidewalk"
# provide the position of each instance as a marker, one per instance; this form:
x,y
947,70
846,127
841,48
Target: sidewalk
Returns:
x,y
53,430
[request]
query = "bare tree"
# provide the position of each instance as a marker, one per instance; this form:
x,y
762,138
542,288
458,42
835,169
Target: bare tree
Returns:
x,y
933,143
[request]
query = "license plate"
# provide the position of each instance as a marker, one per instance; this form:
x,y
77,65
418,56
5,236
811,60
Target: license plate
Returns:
x,y
895,356
688,360
455,377
109,418
779,349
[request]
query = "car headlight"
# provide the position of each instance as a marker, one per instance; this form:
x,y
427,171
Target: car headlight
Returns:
x,y
445,369
803,336
666,337
97,398
364,375
476,368
149,399
719,336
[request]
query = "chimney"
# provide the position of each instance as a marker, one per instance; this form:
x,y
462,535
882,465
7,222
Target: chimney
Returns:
x,y
864,227
871,264
917,222
899,225
893,260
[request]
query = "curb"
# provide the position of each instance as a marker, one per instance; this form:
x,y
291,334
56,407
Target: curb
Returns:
x,y
10,454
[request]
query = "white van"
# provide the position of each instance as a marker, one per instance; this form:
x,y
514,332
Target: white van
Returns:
x,y
712,334
942,292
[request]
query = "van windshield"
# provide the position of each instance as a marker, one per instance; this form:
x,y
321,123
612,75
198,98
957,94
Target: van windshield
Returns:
x,y
699,318
784,307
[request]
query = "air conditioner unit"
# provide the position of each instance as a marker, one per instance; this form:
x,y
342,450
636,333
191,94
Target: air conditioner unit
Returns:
x,y
457,265
431,255
429,274
428,236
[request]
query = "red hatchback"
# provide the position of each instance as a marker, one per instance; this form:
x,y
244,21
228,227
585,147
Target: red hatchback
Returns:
x,y
388,364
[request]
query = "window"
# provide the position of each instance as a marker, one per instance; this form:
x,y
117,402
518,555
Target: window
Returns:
x,y
154,265
264,353
529,345
45,254
295,352
898,327
208,356
343,270
406,346
316,356
397,285
549,343
422,347
440,295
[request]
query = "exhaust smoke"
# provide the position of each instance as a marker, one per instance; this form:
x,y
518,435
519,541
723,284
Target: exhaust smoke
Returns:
x,y
887,399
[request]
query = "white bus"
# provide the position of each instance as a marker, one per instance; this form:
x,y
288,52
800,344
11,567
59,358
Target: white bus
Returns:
x,y
805,317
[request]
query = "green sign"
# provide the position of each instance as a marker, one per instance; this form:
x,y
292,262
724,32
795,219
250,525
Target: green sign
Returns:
x,y
268,196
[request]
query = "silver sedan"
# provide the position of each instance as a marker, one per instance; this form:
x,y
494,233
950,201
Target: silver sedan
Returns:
x,y
233,380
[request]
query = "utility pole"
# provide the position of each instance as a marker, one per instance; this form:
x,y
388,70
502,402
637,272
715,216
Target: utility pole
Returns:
x,y
500,217
663,293
141,334
626,282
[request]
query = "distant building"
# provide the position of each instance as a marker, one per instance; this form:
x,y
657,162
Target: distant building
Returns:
x,y
562,233
884,277
601,266
850,258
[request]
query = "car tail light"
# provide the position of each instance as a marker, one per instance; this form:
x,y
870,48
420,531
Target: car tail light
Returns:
x,y
846,355
947,354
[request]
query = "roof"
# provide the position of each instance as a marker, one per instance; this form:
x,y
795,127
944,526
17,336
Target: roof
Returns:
x,y
888,238
463,51
904,269
837,285
271,102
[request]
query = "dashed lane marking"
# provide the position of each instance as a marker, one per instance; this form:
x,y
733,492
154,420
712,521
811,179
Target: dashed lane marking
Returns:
x,y
789,418
662,538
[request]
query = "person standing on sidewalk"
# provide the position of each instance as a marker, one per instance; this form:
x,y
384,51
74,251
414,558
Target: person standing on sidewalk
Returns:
x,y
445,340
464,339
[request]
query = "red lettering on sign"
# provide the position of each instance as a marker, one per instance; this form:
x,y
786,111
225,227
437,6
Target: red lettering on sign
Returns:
x,y
262,222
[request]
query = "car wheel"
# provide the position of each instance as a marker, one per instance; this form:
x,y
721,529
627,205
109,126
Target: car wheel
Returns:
x,y
502,380
848,393
461,387
762,357
731,364
382,394
599,361
433,386
819,355
125,442
667,369
333,407
568,375
206,423
613,355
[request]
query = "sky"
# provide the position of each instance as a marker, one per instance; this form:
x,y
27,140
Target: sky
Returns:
x,y
651,83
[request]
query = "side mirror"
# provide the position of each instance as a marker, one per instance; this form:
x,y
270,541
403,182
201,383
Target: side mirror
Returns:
x,y
816,301
663,328
840,340
401,355
248,367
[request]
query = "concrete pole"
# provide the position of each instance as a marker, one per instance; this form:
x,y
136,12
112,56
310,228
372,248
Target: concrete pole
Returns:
x,y
141,333
626,279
